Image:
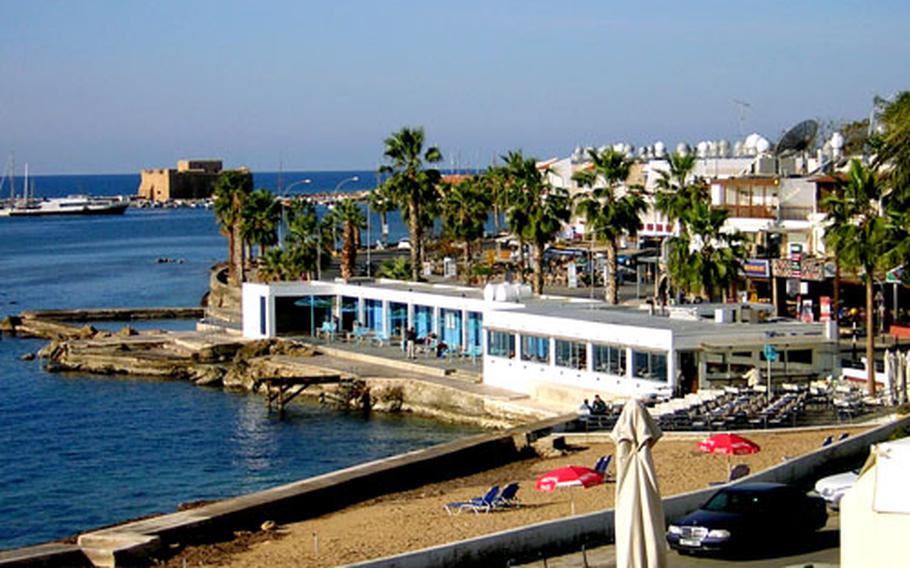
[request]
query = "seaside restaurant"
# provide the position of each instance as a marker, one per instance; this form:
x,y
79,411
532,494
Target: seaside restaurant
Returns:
x,y
555,348
381,309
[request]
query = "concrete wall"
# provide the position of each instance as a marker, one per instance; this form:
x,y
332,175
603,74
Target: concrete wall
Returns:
x,y
192,179
568,535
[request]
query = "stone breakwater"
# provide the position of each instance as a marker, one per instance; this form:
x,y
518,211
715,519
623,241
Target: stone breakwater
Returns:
x,y
218,359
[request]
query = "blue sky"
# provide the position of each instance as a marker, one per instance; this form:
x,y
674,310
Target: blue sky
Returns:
x,y
94,86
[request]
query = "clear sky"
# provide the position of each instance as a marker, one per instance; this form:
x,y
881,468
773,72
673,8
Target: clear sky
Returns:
x,y
93,86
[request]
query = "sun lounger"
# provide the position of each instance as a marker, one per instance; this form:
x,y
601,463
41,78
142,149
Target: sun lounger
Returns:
x,y
827,442
603,464
507,498
478,504
843,436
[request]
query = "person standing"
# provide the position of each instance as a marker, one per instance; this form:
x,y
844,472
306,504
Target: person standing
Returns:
x,y
411,338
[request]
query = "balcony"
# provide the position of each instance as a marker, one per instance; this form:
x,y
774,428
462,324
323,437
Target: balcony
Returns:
x,y
749,211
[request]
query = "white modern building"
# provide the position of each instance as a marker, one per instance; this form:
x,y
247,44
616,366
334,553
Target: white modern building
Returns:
x,y
554,348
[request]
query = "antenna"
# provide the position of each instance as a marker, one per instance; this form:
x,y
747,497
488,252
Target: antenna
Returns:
x,y
741,106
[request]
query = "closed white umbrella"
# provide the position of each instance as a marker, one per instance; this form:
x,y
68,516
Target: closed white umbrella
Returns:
x,y
639,514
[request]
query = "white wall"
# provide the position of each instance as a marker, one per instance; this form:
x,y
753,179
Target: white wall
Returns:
x,y
250,305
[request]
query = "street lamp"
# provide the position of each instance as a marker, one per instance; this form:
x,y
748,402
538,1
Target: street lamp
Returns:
x,y
344,181
298,182
284,214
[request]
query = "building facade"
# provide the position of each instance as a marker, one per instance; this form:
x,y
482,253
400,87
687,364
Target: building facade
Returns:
x,y
555,348
191,179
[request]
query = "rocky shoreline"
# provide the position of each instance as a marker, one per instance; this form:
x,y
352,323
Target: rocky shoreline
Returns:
x,y
218,359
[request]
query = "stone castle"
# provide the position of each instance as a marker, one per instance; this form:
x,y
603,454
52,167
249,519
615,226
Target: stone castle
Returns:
x,y
192,179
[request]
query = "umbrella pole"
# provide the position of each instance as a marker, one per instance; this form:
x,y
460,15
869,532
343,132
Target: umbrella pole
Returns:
x,y
573,505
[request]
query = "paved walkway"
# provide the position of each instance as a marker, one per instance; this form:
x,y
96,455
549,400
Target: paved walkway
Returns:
x,y
464,376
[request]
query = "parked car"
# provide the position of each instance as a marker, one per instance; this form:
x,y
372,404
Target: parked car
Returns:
x,y
833,487
744,517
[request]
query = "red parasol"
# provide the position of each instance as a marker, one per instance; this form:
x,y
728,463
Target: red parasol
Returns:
x,y
729,444
569,476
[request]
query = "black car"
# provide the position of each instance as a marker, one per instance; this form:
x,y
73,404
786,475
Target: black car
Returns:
x,y
744,517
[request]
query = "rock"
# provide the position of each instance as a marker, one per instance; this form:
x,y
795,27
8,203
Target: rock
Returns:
x,y
127,331
210,376
87,331
51,350
546,448
9,324
27,357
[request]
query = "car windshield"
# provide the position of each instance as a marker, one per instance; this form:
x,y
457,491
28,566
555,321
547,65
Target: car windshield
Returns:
x,y
741,502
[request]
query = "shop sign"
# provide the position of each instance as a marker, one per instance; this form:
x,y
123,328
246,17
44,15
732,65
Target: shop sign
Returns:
x,y
757,268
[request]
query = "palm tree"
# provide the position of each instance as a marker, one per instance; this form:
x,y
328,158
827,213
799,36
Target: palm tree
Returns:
x,y
411,184
306,236
231,191
397,268
518,173
495,182
465,207
705,261
537,210
863,233
892,146
676,191
260,217
349,218
609,215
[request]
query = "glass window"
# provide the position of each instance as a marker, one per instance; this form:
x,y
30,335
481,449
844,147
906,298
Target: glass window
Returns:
x,y
423,321
398,318
610,359
475,329
571,354
650,366
535,348
373,313
501,344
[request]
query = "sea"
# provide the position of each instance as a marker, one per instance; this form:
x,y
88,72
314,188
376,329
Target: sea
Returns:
x,y
80,451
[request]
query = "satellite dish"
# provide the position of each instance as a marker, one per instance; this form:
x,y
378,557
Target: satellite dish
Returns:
x,y
799,138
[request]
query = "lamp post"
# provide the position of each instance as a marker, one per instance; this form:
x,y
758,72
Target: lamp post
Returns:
x,y
284,214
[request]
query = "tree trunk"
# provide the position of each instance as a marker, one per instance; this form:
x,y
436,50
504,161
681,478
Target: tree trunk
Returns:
x,y
835,315
870,334
522,264
610,288
232,264
467,261
496,222
348,253
237,244
538,268
414,230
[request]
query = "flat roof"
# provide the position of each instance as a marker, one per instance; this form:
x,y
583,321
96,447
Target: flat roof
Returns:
x,y
598,312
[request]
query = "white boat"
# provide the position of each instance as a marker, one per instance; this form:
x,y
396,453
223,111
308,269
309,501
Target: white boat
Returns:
x,y
30,206
70,205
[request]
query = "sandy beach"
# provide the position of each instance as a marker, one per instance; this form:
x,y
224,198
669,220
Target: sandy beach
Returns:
x,y
417,519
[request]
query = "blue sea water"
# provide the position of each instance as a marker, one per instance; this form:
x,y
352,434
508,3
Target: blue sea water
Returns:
x,y
79,451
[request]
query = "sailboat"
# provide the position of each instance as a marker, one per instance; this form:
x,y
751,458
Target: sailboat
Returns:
x,y
30,206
